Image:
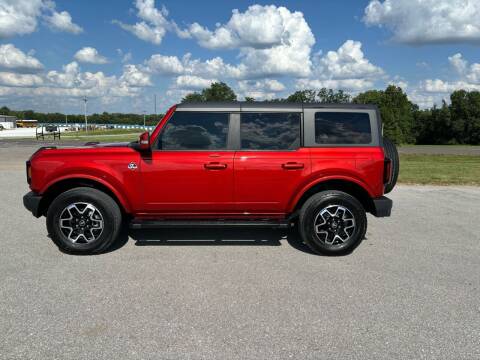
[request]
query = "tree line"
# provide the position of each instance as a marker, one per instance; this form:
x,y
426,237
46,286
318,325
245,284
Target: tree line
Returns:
x,y
404,122
103,118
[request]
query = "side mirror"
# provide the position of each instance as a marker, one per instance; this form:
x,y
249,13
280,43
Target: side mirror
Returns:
x,y
143,143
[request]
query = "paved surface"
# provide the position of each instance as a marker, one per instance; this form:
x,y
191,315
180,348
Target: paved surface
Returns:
x,y
410,291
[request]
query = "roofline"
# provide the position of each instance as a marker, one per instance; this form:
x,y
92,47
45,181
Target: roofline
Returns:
x,y
273,105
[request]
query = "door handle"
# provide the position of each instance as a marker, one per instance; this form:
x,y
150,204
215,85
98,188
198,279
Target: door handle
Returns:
x,y
293,166
215,166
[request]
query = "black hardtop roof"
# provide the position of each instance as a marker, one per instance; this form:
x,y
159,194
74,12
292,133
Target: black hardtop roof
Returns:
x,y
272,105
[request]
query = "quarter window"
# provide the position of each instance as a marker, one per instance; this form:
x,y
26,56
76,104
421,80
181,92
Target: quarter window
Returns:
x,y
195,131
270,131
342,128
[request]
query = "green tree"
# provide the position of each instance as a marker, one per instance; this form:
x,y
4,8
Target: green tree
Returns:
x,y
433,126
249,99
330,96
302,96
396,110
218,91
465,109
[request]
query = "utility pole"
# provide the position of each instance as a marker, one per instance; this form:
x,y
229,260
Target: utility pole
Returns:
x,y
66,120
86,121
144,112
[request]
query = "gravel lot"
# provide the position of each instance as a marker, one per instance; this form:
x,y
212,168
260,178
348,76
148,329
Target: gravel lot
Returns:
x,y
410,290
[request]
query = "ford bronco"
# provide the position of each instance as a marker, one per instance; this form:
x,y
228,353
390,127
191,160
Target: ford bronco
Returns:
x,y
318,167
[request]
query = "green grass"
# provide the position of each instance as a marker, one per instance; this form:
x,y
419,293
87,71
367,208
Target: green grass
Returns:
x,y
440,169
111,135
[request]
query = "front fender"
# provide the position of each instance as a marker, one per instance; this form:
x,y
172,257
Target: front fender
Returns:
x,y
116,189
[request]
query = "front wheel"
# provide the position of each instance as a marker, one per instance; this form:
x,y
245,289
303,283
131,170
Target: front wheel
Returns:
x,y
83,220
332,222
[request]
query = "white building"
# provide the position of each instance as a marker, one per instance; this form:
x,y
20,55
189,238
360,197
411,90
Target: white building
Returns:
x,y
8,122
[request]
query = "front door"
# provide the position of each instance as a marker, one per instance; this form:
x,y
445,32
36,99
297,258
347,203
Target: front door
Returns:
x,y
190,170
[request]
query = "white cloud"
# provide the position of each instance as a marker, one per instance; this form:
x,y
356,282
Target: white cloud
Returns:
x,y
14,59
133,76
192,82
348,62
260,89
20,17
62,21
266,84
427,21
259,27
144,31
343,84
153,25
433,91
347,69
458,63
425,100
165,65
20,80
468,77
400,82
467,72
90,55
441,86
272,40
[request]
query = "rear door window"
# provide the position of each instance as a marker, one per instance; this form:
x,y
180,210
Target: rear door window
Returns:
x,y
342,128
270,131
189,130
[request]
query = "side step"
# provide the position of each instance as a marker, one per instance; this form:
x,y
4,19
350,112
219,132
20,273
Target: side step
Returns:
x,y
157,224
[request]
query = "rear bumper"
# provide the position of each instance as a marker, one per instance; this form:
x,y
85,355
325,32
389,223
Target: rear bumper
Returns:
x,y
382,206
31,201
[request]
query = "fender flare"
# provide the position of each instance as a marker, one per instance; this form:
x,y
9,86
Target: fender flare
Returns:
x,y
299,194
122,199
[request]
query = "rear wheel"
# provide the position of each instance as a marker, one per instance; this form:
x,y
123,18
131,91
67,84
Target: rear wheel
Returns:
x,y
83,220
332,222
391,152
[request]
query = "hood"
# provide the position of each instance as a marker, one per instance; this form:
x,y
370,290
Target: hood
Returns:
x,y
88,145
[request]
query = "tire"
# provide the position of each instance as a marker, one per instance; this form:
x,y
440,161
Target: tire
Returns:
x,y
318,209
101,217
391,152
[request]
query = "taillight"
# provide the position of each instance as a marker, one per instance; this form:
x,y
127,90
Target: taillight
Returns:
x,y
387,171
29,172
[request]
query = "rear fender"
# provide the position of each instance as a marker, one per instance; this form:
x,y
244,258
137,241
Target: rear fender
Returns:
x,y
318,181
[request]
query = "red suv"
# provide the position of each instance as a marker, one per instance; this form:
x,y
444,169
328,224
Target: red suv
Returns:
x,y
322,167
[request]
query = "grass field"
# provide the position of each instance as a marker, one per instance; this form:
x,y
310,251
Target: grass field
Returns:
x,y
440,169
111,135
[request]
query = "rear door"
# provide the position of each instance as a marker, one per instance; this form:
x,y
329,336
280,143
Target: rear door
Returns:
x,y
270,164
190,170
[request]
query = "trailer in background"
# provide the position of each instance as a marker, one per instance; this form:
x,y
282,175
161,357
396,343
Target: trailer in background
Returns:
x,y
8,122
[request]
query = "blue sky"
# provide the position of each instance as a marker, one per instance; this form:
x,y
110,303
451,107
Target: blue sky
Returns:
x,y
120,53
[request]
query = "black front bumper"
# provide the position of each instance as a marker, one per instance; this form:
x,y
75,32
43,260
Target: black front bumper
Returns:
x,y
382,207
31,201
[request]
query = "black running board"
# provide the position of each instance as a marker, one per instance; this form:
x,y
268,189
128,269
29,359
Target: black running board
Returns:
x,y
157,224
